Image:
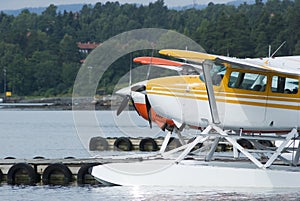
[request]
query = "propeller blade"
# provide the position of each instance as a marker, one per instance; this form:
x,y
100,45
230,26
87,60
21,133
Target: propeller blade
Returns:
x,y
138,88
123,104
148,106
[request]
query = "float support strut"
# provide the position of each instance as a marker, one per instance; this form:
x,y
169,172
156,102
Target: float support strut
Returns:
x,y
278,151
165,142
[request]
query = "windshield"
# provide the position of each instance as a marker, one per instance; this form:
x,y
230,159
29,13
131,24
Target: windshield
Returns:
x,y
217,73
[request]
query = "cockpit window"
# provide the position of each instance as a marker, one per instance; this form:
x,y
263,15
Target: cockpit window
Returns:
x,y
284,85
248,81
217,73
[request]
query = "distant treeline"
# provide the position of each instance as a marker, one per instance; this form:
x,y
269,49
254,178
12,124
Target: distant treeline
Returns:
x,y
39,55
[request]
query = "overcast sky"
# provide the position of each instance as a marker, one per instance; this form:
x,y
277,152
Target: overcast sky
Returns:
x,y
17,4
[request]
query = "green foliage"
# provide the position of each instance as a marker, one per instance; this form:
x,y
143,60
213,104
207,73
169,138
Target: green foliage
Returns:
x,y
39,54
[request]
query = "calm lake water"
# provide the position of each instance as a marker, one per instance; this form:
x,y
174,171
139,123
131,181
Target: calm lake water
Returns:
x,y
57,134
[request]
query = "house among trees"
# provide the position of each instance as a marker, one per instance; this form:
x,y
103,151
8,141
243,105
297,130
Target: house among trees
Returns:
x,y
87,47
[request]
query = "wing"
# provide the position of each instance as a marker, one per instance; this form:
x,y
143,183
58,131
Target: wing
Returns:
x,y
284,65
156,61
287,65
165,63
159,62
188,55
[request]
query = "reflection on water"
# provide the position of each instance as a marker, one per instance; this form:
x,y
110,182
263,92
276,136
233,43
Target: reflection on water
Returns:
x,y
47,193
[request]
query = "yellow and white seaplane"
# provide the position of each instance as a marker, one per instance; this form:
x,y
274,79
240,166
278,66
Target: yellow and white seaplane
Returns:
x,y
232,99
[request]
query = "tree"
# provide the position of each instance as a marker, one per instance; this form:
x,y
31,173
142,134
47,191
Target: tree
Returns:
x,y
297,48
68,50
46,71
18,77
6,28
10,55
35,41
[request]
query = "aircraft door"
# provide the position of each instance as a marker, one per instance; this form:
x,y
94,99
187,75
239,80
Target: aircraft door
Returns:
x,y
246,99
283,103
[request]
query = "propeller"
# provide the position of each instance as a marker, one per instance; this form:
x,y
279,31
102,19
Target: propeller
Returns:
x,y
127,97
137,88
123,104
148,106
142,88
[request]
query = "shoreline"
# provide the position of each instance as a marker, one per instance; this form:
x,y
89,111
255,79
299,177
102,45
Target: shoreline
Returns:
x,y
65,103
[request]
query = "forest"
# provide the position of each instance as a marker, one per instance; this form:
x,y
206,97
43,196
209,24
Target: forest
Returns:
x,y
40,57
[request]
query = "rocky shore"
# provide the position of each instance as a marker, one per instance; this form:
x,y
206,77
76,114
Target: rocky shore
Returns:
x,y
66,103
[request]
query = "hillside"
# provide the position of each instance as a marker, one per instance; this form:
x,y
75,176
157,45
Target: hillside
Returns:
x,y
78,7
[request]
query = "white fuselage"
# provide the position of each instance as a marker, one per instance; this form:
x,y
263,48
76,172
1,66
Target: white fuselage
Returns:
x,y
184,99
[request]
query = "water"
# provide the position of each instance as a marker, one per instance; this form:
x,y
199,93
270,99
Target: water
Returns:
x,y
91,193
57,134
26,134
54,134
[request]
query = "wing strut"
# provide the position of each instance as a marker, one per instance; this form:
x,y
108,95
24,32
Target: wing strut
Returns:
x,y
207,66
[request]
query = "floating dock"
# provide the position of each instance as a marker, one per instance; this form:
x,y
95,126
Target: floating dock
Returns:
x,y
72,171
137,144
130,144
41,171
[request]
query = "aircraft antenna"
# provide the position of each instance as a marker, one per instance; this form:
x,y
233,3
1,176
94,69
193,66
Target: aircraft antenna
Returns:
x,y
149,68
278,49
269,55
194,3
130,68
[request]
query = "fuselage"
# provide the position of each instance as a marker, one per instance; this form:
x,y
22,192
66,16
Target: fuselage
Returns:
x,y
246,99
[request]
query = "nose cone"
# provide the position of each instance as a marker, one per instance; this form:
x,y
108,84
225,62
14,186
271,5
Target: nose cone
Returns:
x,y
124,91
127,90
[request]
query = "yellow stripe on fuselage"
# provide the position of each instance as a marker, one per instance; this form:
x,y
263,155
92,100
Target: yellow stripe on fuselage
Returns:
x,y
192,87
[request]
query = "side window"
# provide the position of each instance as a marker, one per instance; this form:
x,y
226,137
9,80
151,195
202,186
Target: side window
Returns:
x,y
248,81
284,85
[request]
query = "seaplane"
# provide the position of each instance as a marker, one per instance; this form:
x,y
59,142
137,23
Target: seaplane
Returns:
x,y
254,99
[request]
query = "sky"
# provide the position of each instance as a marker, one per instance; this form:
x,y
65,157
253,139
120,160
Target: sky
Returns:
x,y
17,4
